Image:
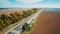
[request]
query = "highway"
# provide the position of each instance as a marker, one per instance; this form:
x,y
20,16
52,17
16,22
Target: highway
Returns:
x,y
18,27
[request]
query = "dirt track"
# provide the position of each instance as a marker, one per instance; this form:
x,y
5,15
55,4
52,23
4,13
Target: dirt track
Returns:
x,y
48,23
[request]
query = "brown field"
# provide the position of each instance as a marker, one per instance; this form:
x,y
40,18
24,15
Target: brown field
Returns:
x,y
48,23
7,11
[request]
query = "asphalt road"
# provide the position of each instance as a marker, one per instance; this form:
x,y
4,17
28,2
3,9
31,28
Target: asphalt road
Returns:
x,y
27,20
48,23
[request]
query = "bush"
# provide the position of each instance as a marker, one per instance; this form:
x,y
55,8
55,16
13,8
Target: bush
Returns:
x,y
2,25
27,27
6,20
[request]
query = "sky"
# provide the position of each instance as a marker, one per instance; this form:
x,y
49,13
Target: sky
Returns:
x,y
29,3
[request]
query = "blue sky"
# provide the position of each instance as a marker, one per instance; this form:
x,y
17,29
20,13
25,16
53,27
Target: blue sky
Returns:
x,y
29,3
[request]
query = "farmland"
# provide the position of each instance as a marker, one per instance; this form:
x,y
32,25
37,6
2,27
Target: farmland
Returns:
x,y
48,23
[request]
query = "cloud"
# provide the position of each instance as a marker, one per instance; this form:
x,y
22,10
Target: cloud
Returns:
x,y
28,1
34,6
30,4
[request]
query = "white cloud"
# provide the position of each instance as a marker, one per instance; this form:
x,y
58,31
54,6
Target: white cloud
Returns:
x,y
7,4
28,1
34,6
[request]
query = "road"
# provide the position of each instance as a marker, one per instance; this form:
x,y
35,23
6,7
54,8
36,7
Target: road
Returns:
x,y
28,20
47,23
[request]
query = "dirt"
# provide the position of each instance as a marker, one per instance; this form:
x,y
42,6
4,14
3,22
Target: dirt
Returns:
x,y
48,23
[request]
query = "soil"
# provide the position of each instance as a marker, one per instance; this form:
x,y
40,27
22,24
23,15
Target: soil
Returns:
x,y
48,23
